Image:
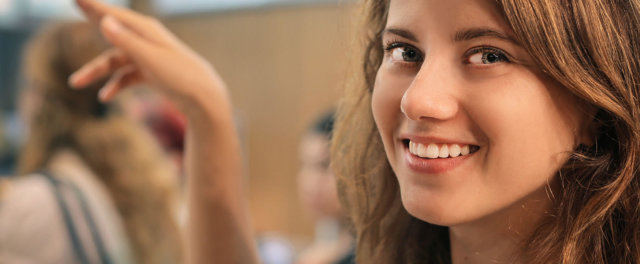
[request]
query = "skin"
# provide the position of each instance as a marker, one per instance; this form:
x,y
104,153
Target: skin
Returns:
x,y
525,124
218,222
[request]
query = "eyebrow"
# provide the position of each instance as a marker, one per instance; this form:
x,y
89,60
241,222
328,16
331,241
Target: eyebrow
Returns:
x,y
463,35
471,33
400,32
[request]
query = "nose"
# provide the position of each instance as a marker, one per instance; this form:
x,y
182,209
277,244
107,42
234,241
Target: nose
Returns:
x,y
431,95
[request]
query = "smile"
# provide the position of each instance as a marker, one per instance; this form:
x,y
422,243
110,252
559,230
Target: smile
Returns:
x,y
433,155
439,151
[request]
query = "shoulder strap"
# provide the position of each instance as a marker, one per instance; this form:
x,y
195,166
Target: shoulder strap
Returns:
x,y
95,234
78,249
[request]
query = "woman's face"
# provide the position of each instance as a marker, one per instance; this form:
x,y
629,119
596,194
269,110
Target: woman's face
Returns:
x,y
469,124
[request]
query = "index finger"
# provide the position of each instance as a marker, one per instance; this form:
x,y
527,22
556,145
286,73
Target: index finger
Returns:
x,y
102,66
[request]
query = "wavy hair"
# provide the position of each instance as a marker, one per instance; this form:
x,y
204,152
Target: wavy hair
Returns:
x,y
592,48
123,156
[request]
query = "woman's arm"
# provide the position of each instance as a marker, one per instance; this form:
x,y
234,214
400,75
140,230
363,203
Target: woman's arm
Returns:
x,y
145,51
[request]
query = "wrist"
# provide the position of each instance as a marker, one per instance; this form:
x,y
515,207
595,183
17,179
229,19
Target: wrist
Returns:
x,y
209,103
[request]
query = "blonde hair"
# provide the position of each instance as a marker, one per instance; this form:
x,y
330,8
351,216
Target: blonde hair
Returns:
x,y
592,48
123,156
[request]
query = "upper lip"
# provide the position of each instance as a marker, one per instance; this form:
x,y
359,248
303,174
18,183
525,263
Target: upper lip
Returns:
x,y
434,140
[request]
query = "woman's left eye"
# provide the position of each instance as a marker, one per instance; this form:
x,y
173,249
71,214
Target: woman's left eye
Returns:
x,y
485,56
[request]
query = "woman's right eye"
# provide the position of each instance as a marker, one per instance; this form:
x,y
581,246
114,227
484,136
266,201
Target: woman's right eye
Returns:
x,y
403,53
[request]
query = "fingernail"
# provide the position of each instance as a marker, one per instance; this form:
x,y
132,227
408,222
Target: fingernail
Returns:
x,y
111,24
73,80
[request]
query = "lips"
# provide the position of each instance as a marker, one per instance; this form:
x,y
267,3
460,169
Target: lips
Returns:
x,y
433,150
435,156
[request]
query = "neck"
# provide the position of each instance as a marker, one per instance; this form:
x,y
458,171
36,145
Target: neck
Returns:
x,y
66,162
502,236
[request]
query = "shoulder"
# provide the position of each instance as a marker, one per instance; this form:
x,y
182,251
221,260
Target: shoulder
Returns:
x,y
30,219
27,201
21,194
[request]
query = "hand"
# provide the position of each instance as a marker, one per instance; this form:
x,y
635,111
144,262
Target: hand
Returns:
x,y
146,52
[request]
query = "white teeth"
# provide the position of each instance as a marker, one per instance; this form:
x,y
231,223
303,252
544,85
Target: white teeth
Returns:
x,y
433,150
454,150
464,150
421,150
444,152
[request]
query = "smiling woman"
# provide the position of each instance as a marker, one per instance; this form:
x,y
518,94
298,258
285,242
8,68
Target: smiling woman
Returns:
x,y
509,122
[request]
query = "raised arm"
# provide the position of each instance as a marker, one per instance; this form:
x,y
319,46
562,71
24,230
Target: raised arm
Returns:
x,y
219,229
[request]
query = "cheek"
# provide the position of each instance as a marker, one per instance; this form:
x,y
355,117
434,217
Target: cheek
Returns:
x,y
528,129
385,102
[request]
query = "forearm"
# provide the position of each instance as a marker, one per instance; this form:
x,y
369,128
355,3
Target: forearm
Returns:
x,y
219,224
146,52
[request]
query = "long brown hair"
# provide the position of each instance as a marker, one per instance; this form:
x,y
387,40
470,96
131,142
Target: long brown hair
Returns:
x,y
592,48
121,154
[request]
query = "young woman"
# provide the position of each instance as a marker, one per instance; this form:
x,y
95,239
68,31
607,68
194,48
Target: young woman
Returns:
x,y
495,132
484,132
109,196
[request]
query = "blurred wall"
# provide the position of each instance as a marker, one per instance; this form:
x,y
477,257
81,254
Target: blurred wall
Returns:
x,y
284,66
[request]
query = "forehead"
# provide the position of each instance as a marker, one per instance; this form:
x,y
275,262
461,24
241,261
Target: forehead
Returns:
x,y
445,16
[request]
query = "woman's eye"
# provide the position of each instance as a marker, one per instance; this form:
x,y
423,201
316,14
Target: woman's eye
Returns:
x,y
485,56
404,53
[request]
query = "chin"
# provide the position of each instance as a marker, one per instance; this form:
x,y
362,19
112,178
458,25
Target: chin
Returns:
x,y
435,211
435,217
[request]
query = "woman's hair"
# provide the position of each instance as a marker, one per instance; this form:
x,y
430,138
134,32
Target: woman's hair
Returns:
x,y
592,48
121,154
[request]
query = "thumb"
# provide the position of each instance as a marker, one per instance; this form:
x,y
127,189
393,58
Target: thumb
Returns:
x,y
126,40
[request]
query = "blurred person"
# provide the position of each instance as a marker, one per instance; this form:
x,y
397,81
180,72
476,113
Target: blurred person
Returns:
x,y
318,195
98,189
317,189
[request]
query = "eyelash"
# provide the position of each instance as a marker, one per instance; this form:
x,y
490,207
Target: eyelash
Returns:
x,y
394,44
504,56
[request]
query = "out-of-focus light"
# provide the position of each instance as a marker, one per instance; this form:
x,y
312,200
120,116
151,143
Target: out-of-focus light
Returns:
x,y
5,6
59,8
20,12
176,7
8,12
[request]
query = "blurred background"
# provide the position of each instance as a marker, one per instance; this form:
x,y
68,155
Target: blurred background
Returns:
x,y
283,60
